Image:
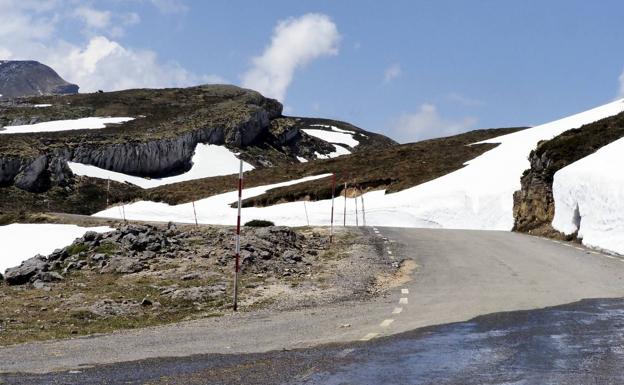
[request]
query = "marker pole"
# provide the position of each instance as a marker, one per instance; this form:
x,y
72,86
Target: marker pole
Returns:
x,y
305,207
195,215
357,222
344,213
238,225
363,209
331,227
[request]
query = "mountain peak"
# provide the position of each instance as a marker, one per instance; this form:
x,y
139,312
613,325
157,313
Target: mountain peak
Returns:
x,y
19,78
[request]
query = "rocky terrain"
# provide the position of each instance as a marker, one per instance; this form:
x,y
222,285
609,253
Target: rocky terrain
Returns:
x,y
141,275
31,78
161,140
534,205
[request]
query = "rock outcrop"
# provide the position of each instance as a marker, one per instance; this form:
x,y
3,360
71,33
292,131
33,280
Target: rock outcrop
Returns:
x,y
534,207
30,78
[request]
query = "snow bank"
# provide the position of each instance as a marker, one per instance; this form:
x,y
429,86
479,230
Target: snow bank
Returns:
x,y
333,137
209,160
589,197
339,151
23,241
213,210
64,125
478,196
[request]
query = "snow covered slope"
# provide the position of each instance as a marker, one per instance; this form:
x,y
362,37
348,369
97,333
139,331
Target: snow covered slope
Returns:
x,y
64,125
478,196
23,241
214,210
589,198
337,137
208,161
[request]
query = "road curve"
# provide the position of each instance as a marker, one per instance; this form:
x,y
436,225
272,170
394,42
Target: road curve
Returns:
x,y
460,275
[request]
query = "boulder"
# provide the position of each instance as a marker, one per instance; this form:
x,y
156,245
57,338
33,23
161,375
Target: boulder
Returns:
x,y
28,269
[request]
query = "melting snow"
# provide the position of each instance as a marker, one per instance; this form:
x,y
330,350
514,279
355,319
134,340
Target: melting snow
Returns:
x,y
215,210
339,151
333,137
589,197
23,241
64,125
478,196
209,160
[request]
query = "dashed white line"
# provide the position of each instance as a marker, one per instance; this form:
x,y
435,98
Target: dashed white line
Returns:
x,y
369,336
404,291
403,301
385,323
397,310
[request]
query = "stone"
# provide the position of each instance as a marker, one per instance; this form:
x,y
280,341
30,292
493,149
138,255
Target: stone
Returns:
x,y
123,265
49,276
28,269
146,302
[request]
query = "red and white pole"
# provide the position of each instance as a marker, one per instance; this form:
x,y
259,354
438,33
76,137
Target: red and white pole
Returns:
x,y
331,227
238,226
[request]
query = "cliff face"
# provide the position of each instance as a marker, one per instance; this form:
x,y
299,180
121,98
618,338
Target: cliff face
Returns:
x,y
161,140
29,78
534,207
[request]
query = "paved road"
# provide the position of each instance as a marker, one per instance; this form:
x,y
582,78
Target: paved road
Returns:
x,y
461,274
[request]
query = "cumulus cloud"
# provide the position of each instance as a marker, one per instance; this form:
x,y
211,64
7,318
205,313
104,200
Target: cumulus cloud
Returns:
x,y
92,17
100,62
427,123
464,100
391,73
295,43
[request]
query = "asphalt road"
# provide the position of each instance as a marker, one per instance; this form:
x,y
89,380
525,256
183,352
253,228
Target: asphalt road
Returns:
x,y
460,275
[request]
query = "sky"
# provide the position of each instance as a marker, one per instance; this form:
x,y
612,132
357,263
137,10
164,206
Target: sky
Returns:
x,y
408,69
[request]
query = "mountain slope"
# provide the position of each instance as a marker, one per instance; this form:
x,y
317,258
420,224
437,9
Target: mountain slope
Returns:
x,y
28,78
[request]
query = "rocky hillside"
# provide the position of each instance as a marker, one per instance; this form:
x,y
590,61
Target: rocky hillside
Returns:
x,y
160,141
29,78
534,205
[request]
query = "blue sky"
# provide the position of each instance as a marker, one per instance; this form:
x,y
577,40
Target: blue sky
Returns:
x,y
411,69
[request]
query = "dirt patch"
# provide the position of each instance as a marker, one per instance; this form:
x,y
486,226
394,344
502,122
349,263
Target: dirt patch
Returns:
x,y
400,277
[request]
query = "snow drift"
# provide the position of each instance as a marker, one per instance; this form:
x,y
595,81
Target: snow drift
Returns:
x,y
589,198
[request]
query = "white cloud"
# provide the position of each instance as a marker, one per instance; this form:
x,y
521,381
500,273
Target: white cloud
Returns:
x,y
391,73
100,62
170,6
464,100
295,42
93,18
427,123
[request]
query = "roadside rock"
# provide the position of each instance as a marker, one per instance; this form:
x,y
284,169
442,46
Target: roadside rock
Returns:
x,y
123,265
27,270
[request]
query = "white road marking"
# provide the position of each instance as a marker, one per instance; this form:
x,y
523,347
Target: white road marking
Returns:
x,y
386,323
345,353
403,301
397,310
389,252
404,291
369,336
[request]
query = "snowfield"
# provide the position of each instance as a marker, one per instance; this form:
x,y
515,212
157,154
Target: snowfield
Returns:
x,y
589,197
478,196
213,210
209,160
23,241
333,137
64,125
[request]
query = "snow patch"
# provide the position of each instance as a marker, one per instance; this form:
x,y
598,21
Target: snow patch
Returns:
x,y
208,161
64,125
302,159
42,105
23,241
214,210
589,198
333,137
339,151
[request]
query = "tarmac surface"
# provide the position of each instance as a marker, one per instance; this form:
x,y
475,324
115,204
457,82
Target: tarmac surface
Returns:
x,y
460,275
